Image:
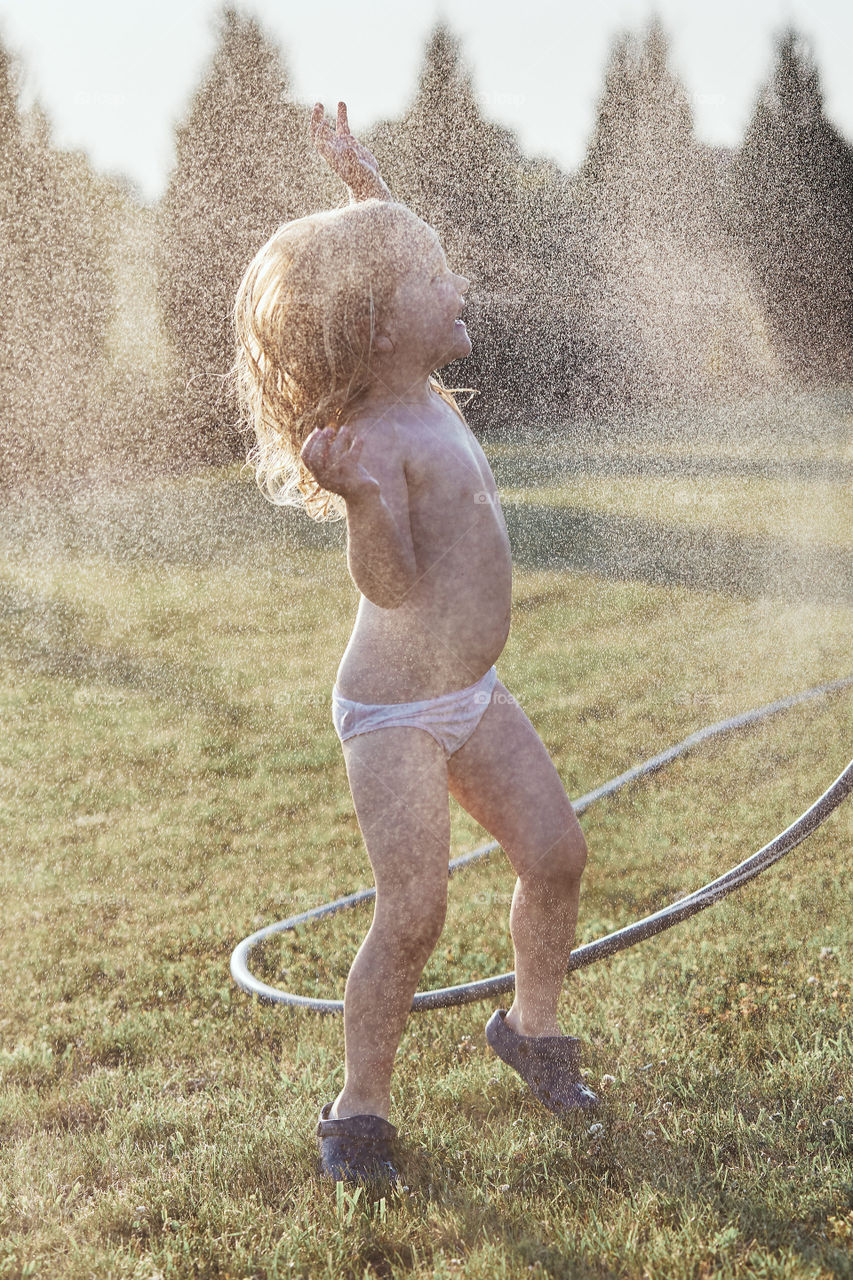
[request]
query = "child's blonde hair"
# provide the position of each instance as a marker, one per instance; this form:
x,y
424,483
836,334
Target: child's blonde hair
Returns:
x,y
305,320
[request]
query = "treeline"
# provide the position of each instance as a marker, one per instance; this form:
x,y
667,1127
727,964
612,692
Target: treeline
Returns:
x,y
57,224
663,270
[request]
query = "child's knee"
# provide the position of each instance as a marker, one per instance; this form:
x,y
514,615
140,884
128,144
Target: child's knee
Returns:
x,y
562,862
579,855
414,922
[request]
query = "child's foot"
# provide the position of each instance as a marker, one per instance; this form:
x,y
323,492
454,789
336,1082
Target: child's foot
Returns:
x,y
513,1021
371,1110
357,1148
550,1065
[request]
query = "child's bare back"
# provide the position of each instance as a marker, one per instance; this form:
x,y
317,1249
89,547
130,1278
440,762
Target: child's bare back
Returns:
x,y
453,621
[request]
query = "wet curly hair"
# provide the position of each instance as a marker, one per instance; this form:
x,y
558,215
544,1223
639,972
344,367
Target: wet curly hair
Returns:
x,y
305,321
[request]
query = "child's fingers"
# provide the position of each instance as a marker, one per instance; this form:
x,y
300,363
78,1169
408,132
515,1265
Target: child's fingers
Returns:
x,y
343,123
315,435
320,131
315,444
325,446
344,440
316,120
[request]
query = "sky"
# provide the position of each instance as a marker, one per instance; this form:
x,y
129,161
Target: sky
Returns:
x,y
116,76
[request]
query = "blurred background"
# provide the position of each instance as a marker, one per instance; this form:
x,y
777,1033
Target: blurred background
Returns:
x,y
622,260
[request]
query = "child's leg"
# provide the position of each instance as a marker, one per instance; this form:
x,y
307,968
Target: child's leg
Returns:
x,y
506,780
398,779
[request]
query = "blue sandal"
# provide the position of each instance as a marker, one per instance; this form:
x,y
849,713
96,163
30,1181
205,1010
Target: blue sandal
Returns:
x,y
356,1148
550,1065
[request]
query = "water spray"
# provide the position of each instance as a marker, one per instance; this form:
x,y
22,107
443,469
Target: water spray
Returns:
x,y
628,936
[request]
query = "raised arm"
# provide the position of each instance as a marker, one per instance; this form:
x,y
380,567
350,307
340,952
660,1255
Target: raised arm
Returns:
x,y
350,159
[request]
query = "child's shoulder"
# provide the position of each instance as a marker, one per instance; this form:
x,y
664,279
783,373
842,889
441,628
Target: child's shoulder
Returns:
x,y
420,441
384,431
386,449
377,427
386,454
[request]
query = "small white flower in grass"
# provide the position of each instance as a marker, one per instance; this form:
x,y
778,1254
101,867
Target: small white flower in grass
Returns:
x,y
841,1098
826,951
650,1135
595,1128
608,1080
811,978
504,1187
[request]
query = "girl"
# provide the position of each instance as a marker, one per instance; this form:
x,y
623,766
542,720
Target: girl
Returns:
x,y
342,319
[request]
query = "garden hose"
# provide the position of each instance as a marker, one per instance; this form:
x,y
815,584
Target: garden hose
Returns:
x,y
629,935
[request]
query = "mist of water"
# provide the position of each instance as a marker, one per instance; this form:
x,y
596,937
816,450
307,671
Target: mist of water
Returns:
x,y
627,321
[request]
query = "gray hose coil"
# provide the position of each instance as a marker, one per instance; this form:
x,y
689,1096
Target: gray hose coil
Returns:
x,y
681,909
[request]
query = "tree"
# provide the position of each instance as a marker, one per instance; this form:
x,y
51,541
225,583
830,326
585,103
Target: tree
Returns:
x,y
56,227
502,220
791,207
674,312
11,163
242,168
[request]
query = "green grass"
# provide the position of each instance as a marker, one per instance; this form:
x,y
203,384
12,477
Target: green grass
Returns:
x,y
788,425
172,781
807,513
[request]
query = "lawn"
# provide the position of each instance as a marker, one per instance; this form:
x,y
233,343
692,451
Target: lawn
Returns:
x,y
808,513
172,781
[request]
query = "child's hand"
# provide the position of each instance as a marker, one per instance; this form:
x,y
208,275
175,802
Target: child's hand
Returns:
x,y
332,459
349,158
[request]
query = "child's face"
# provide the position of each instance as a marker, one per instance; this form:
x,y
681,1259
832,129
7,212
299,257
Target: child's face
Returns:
x,y
425,325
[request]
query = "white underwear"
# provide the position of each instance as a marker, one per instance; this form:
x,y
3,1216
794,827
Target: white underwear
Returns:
x,y
451,718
